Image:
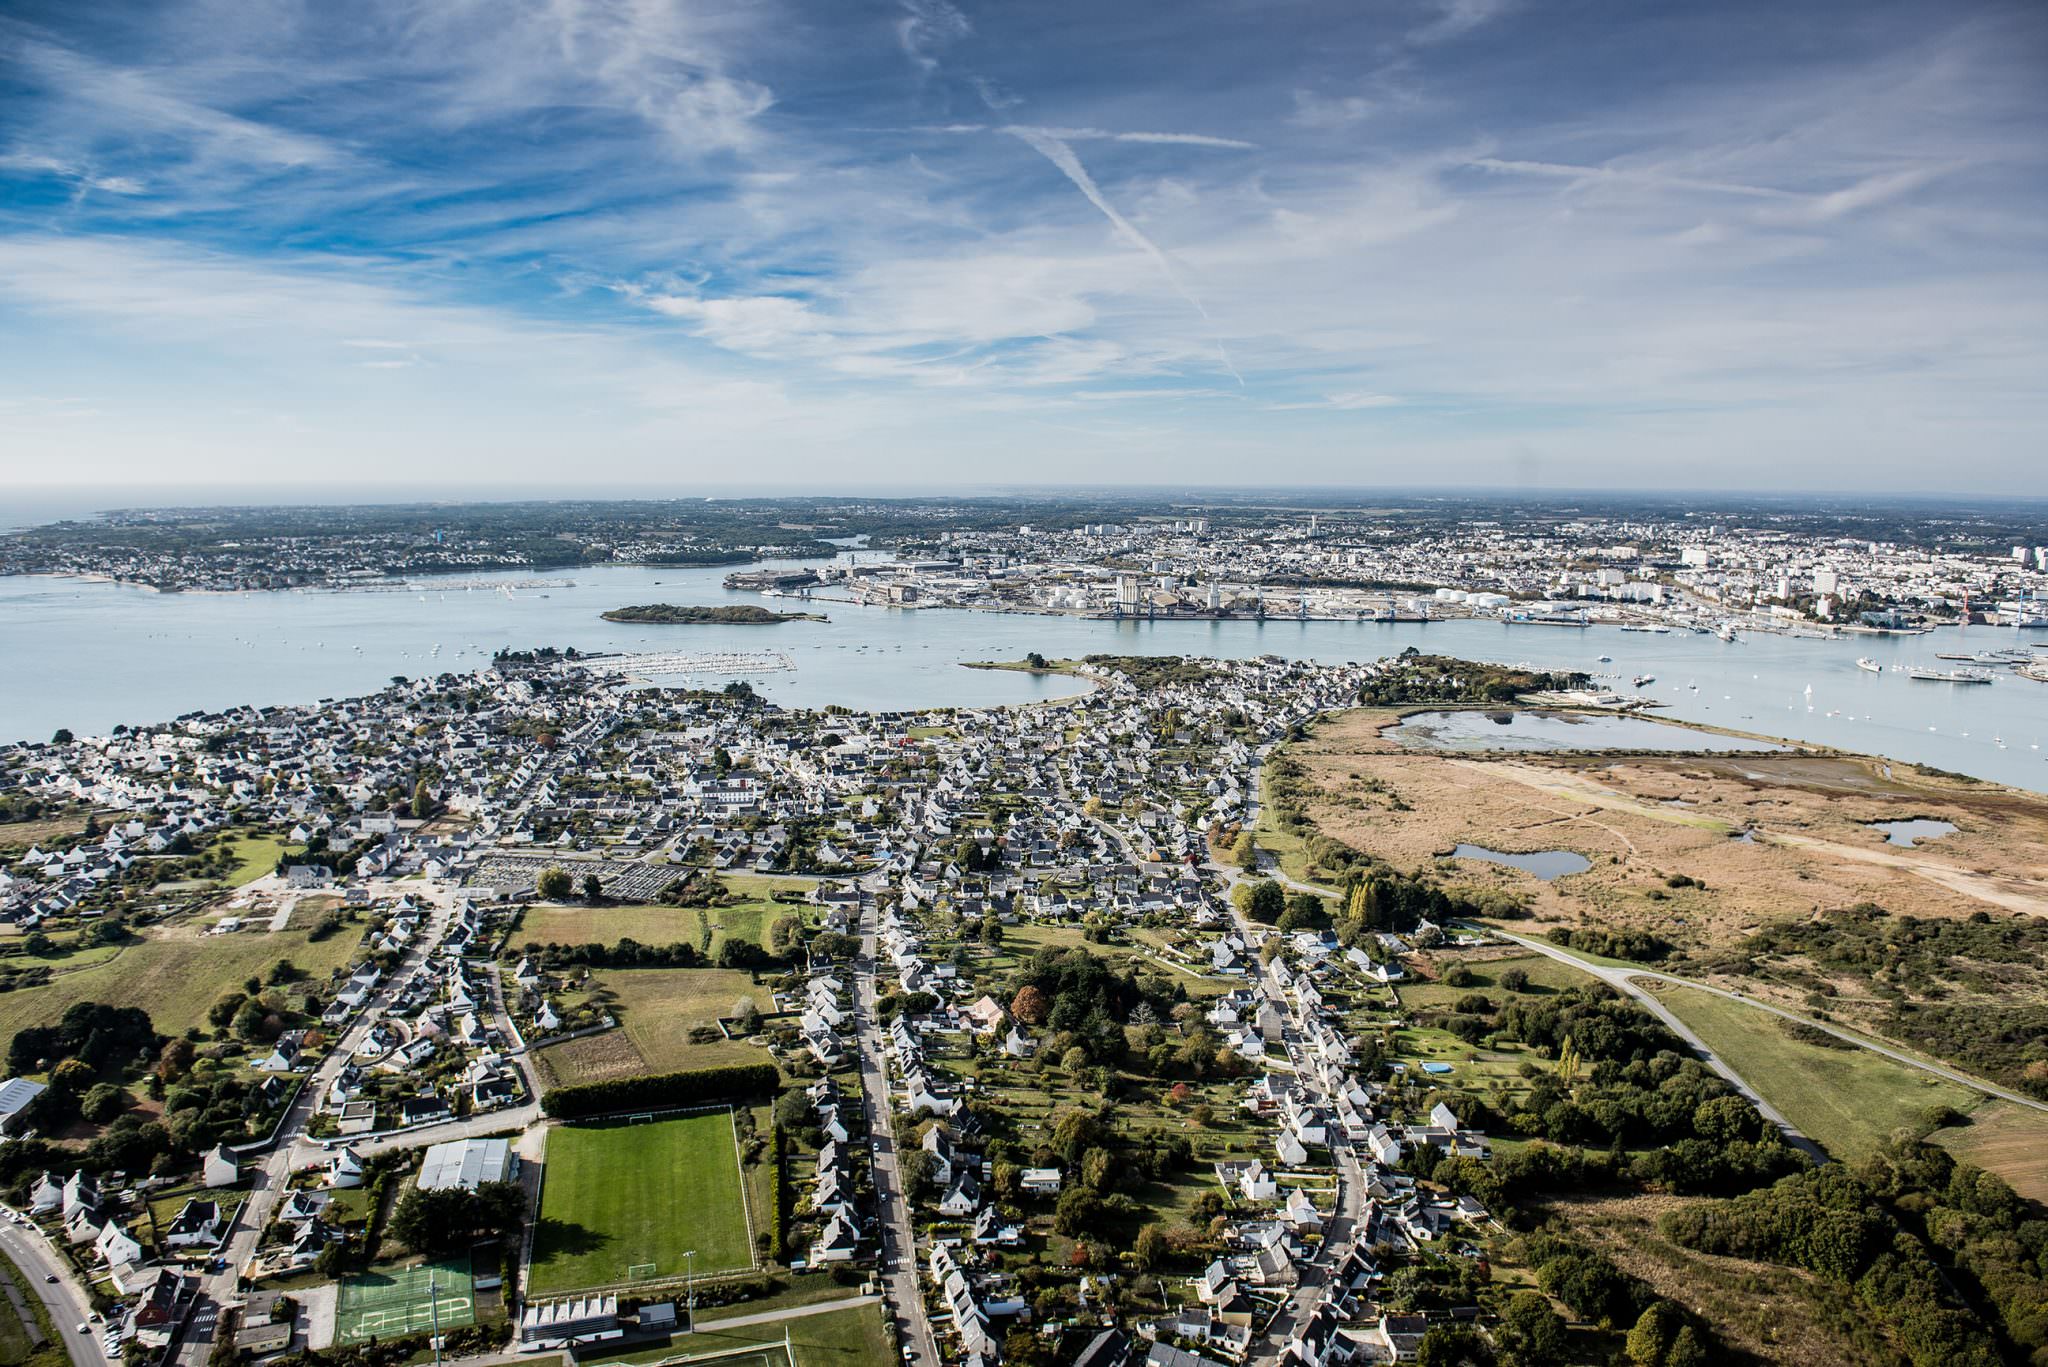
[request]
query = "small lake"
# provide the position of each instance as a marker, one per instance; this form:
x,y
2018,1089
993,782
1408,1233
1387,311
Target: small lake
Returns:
x,y
1910,833
1545,864
1504,730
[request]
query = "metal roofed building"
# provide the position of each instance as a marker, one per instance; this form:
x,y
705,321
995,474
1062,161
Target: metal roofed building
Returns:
x,y
558,1321
467,1164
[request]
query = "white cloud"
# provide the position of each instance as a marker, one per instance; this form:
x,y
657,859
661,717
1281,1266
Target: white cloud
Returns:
x,y
928,27
1339,111
1456,18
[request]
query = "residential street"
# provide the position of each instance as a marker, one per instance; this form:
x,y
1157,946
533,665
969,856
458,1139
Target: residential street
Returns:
x,y
899,1247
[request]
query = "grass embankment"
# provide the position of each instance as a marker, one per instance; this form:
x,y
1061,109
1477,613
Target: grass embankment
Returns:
x,y
1847,1100
625,1202
175,975
19,1333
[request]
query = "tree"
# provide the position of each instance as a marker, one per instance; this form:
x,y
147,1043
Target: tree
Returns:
x,y
452,1218
102,1103
63,736
176,1060
1152,1248
1655,1331
249,1020
1244,851
1078,1211
553,885
1444,1346
1686,1349
920,1174
222,1012
593,889
1531,1332
1030,1006
1268,902
422,800
71,1077
746,1017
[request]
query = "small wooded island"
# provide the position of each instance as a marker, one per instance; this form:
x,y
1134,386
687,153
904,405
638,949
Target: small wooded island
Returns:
x,y
734,614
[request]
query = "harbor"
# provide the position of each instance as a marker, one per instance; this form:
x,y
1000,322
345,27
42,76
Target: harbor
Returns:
x,y
214,650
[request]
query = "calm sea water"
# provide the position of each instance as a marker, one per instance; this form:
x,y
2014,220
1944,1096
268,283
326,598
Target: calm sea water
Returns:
x,y
1559,731
90,655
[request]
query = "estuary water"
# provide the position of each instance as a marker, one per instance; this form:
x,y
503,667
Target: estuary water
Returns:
x,y
88,655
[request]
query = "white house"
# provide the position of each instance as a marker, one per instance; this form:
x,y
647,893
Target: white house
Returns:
x,y
220,1167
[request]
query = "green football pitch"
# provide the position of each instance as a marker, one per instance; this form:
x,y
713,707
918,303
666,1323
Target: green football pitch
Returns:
x,y
391,1302
622,1203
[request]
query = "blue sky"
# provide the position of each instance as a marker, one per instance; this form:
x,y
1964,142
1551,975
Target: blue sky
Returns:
x,y
1490,242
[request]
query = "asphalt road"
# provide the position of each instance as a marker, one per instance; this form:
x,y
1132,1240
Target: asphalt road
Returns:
x,y
68,1307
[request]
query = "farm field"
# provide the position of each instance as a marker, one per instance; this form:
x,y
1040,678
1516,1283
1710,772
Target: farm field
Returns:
x,y
1846,1099
175,974
623,1202
657,1008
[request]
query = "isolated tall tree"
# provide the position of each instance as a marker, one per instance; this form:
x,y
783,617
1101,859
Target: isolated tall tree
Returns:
x,y
554,885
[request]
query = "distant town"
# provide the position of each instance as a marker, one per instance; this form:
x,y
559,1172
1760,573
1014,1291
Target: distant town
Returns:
x,y
1539,562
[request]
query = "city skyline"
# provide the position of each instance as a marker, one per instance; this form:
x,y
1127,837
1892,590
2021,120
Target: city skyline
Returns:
x,y
1462,242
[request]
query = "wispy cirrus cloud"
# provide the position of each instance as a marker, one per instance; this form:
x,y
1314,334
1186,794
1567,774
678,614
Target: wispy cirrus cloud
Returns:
x,y
730,221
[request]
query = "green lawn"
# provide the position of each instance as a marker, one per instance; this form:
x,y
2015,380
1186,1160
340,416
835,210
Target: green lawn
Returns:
x,y
624,1202
175,974
256,855
1844,1099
